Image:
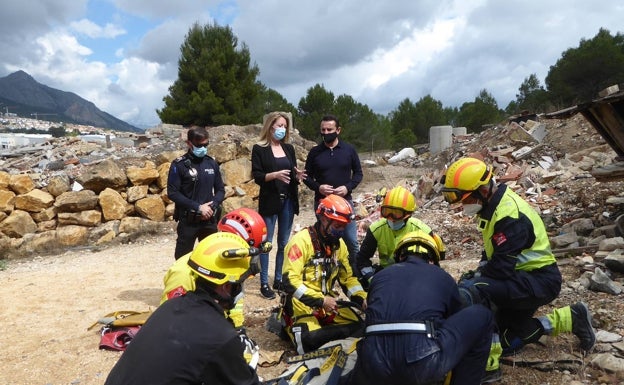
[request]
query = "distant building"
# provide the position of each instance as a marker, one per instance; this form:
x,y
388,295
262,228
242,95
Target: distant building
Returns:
x,y
8,141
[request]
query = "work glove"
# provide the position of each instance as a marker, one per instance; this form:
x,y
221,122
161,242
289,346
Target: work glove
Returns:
x,y
470,274
358,300
251,352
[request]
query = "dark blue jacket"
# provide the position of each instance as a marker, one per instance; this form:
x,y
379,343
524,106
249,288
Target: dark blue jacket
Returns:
x,y
336,167
188,192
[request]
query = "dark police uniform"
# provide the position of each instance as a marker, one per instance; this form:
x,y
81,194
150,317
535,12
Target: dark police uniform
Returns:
x,y
186,341
416,332
193,181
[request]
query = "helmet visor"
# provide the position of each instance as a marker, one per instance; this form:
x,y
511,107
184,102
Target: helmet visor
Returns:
x,y
393,213
453,195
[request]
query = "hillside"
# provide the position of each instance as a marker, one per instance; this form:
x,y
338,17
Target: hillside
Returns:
x,y
26,97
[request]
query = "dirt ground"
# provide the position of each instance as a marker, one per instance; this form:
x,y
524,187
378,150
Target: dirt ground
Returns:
x,y
48,302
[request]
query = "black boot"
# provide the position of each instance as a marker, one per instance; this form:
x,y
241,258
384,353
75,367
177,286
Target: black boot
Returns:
x,y
582,326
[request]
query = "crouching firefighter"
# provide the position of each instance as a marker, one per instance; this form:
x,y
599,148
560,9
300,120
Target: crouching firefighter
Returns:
x,y
317,257
416,329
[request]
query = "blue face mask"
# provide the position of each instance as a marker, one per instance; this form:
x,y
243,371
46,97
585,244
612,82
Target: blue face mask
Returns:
x,y
279,133
200,152
396,225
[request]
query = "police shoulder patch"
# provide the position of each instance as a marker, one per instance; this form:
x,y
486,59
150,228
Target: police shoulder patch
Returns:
x,y
499,239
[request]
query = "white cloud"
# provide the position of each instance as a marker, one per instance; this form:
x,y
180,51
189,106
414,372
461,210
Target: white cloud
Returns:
x,y
89,28
378,52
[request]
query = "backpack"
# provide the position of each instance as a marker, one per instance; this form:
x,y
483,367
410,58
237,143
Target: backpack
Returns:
x,y
119,328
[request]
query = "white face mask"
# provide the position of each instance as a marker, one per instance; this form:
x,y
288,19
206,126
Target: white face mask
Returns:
x,y
471,209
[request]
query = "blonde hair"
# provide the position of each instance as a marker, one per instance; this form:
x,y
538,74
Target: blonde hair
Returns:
x,y
265,132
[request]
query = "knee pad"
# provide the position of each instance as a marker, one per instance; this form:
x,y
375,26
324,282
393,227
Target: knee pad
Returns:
x,y
469,295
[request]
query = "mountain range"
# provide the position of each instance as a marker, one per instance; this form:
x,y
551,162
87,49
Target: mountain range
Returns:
x,y
21,94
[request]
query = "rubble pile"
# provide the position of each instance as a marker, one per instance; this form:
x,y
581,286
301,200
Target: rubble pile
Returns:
x,y
548,163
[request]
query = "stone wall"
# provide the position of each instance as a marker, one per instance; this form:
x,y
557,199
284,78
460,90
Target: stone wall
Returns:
x,y
116,198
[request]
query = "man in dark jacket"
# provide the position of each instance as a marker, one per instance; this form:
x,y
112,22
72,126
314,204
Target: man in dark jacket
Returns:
x,y
188,340
195,186
416,330
333,167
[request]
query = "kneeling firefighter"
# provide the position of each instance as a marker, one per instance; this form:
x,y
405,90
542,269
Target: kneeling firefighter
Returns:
x,y
317,257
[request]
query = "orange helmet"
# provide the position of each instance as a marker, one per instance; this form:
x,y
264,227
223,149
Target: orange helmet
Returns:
x,y
335,208
247,223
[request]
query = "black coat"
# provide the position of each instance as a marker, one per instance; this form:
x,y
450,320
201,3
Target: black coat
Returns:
x,y
262,163
186,341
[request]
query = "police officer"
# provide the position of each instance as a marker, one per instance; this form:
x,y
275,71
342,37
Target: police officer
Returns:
x,y
416,329
196,187
188,340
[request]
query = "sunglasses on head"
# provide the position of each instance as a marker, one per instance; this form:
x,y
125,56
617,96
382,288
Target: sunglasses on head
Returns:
x,y
393,213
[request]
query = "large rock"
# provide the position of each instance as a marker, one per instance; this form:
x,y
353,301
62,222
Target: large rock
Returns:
x,y
113,205
88,218
34,201
43,242
142,175
7,201
18,224
44,215
236,172
58,184
236,202
102,175
134,193
163,174
5,179
21,183
75,201
222,151
151,208
72,235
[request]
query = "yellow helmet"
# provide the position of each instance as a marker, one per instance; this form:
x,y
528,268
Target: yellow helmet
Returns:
x,y
398,203
463,177
417,242
223,257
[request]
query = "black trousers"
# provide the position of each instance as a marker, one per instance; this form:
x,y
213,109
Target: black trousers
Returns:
x,y
189,232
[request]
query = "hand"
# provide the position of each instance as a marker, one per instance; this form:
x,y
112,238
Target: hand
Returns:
x,y
301,174
282,175
329,304
467,275
206,210
341,191
326,189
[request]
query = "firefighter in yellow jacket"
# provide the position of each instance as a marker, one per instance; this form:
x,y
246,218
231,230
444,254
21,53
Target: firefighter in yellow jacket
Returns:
x,y
518,272
384,234
316,258
244,222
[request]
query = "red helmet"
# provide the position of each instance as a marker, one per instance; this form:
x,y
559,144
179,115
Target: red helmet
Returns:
x,y
247,223
335,208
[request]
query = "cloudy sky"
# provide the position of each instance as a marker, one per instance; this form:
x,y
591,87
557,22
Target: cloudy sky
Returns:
x,y
122,54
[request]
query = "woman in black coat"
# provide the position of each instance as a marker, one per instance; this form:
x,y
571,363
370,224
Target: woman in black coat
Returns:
x,y
274,169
